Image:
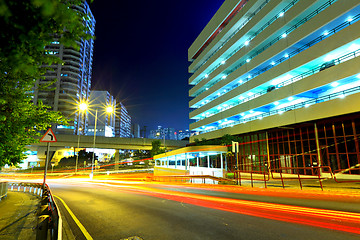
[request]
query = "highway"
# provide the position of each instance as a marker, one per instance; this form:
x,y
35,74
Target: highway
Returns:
x,y
119,210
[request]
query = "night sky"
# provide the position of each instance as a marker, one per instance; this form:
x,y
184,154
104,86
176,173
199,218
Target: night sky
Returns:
x,y
140,55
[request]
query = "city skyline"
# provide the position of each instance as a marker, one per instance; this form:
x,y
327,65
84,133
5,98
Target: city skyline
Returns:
x,y
140,56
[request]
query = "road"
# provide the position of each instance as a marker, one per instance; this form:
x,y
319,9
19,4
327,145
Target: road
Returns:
x,y
159,211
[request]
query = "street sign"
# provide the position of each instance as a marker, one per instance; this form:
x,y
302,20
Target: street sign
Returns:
x,y
49,136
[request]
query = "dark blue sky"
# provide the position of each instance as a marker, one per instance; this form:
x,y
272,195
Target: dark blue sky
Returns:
x,y
140,55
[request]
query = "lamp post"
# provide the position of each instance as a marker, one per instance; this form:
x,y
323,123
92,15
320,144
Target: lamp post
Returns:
x,y
93,155
77,155
109,109
82,108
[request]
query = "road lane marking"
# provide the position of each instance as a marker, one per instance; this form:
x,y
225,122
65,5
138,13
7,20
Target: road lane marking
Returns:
x,y
82,228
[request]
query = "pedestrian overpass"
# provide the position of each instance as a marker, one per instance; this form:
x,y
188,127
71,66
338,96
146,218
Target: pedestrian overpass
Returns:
x,y
72,142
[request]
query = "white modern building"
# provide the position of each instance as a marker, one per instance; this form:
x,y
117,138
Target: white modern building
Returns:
x,y
284,77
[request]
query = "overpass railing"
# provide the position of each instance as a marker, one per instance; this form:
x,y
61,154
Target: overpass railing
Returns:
x,y
49,223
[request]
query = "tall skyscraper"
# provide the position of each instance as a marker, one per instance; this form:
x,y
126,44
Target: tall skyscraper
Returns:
x,y
282,76
73,77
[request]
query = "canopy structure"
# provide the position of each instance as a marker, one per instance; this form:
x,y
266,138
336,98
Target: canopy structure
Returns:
x,y
194,160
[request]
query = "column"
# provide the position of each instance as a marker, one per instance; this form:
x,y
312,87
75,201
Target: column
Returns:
x,y
117,160
208,160
221,162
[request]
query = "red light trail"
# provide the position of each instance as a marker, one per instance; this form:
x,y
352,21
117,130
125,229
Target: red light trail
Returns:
x,y
330,219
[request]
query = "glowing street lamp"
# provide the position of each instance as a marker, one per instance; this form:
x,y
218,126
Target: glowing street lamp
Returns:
x,y
82,109
109,109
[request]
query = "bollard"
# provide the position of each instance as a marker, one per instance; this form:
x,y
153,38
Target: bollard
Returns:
x,y
42,227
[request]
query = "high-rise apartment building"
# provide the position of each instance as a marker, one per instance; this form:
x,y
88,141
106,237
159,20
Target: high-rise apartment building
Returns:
x,y
282,76
122,122
105,121
73,77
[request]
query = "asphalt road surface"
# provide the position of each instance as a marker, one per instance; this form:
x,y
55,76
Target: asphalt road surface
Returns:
x,y
162,212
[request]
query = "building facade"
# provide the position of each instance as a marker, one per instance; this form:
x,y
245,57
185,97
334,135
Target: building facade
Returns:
x,y
73,77
122,122
135,130
284,78
105,121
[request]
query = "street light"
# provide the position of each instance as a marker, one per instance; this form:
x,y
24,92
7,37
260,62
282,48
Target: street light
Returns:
x,y
82,109
109,109
77,156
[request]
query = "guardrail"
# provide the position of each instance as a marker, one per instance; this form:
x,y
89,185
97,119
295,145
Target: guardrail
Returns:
x,y
49,225
3,189
315,169
347,180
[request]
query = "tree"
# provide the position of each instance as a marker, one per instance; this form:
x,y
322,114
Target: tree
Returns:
x,y
156,149
26,28
71,161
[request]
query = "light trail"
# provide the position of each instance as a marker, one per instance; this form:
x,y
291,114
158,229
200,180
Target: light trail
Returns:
x,y
330,219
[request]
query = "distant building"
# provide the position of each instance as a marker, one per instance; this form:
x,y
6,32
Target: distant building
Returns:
x,y
122,122
181,134
160,133
73,77
105,124
135,130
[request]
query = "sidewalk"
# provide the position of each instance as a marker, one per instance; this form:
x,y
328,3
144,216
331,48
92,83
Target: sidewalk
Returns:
x,y
18,216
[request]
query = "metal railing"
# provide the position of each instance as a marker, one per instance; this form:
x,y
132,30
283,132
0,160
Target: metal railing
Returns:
x,y
347,170
252,175
49,224
315,170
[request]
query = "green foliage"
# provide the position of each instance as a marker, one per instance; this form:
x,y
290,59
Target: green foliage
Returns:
x,y
26,28
71,161
224,140
156,148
